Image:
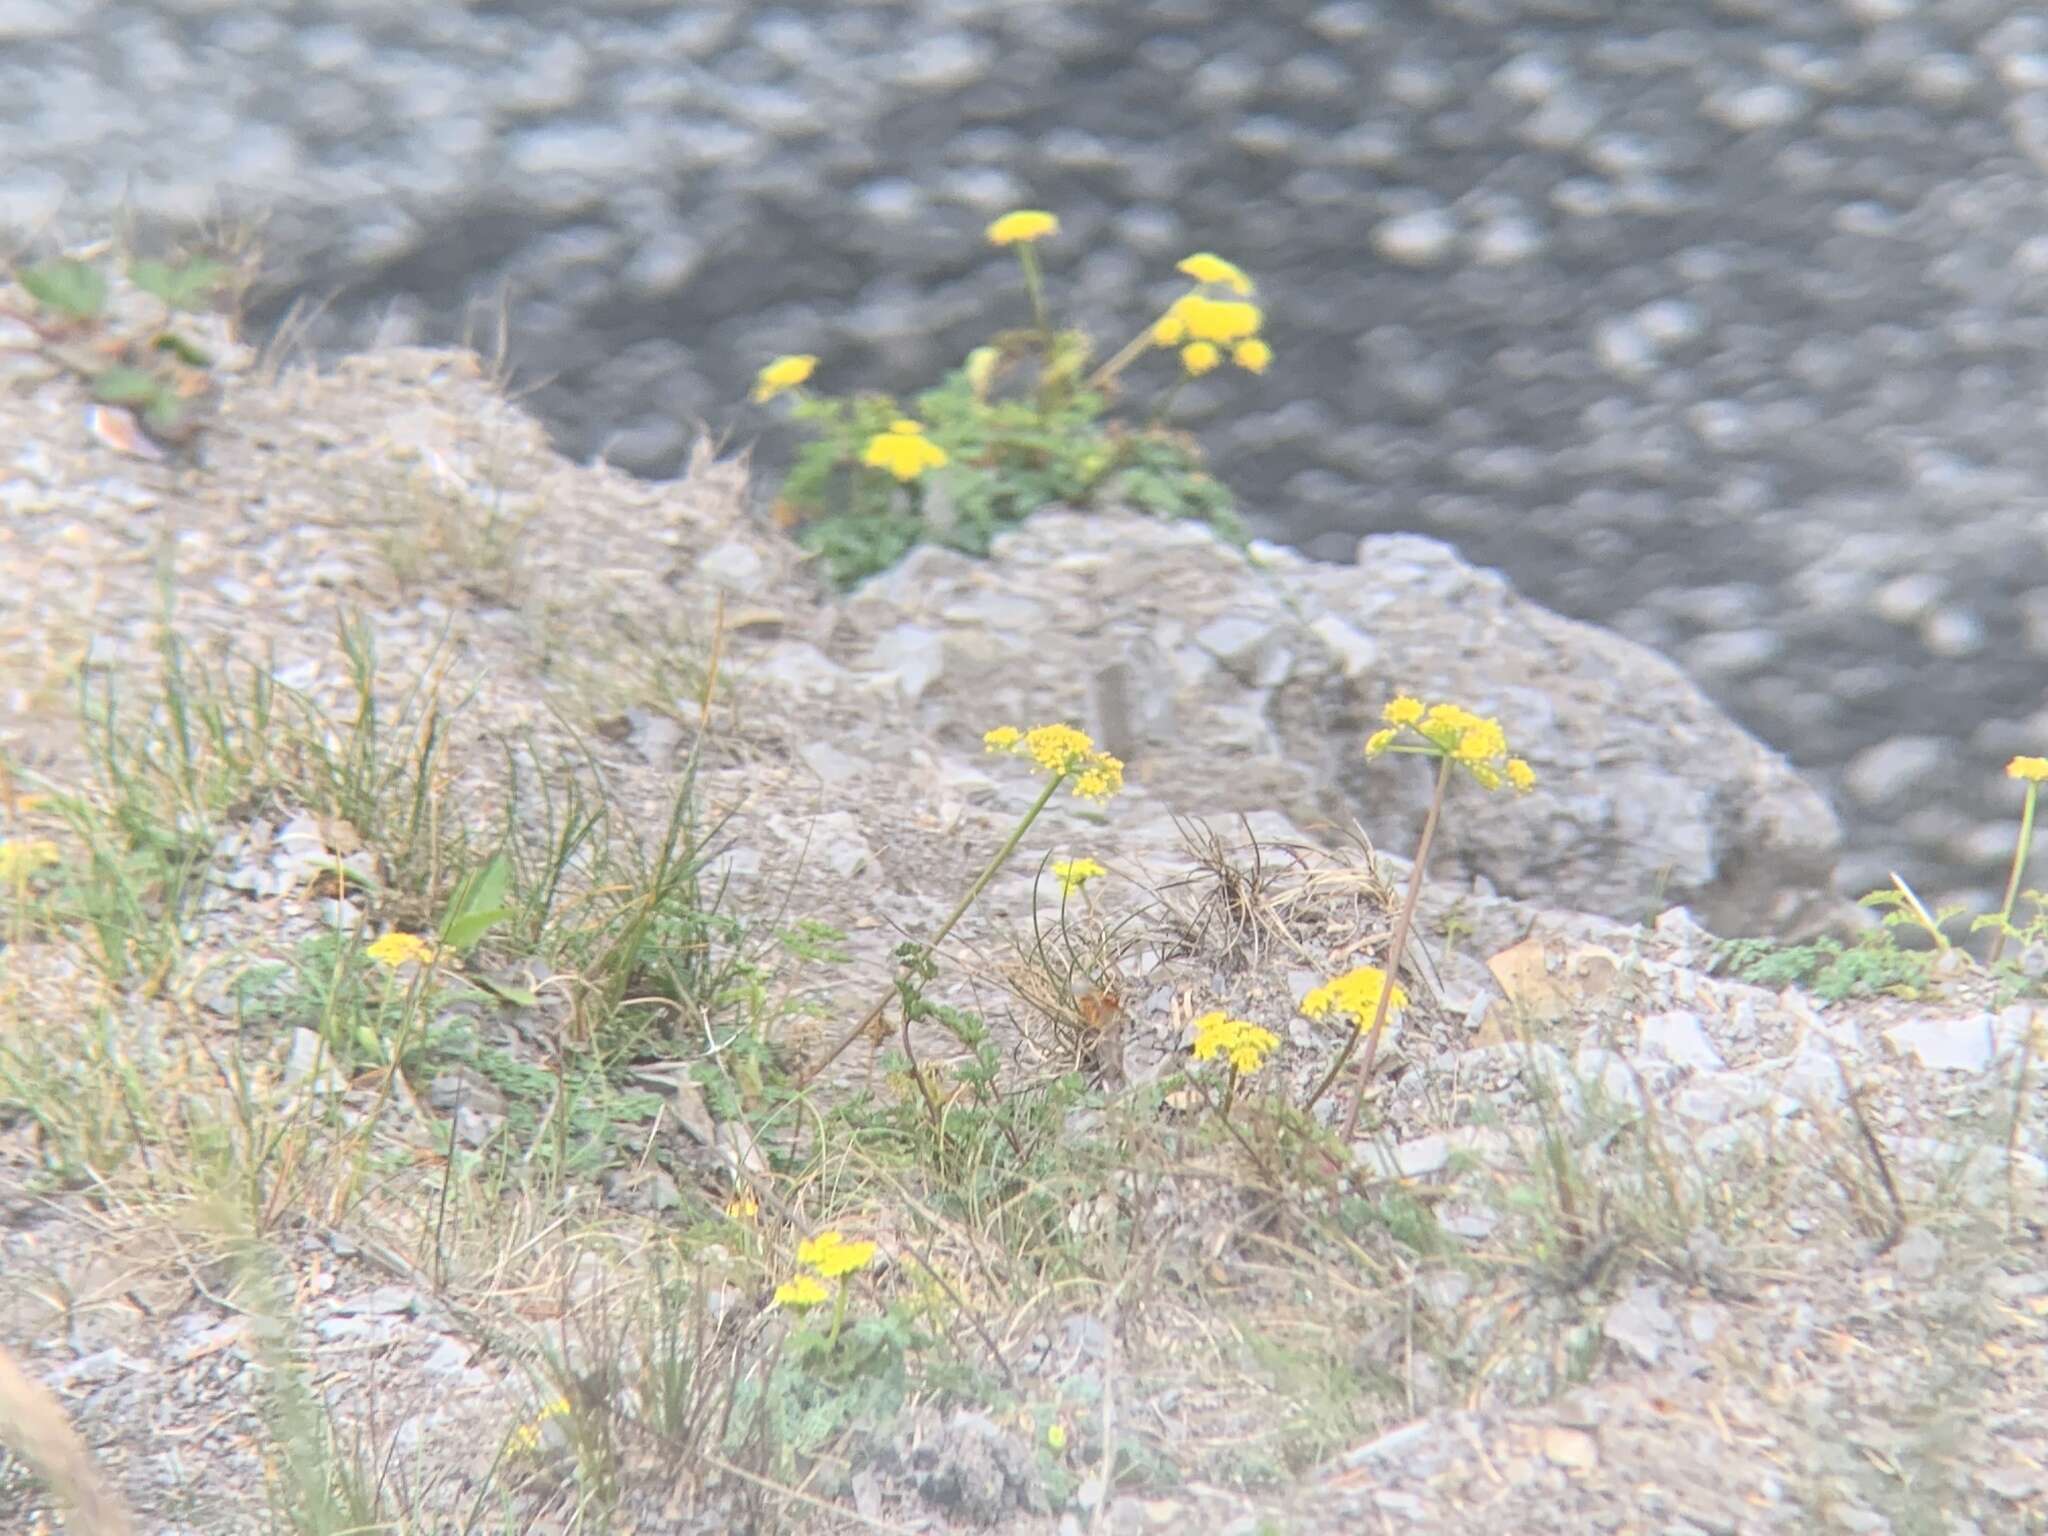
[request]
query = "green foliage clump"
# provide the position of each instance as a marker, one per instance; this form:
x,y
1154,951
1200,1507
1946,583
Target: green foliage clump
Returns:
x,y
1025,422
154,370
1831,970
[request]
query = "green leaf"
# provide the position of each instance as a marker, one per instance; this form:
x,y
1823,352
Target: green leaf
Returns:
x,y
183,286
164,414
478,905
70,287
183,350
127,386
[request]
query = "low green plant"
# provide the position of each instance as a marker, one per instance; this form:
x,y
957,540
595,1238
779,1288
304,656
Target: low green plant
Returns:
x,y
1831,970
1023,423
155,369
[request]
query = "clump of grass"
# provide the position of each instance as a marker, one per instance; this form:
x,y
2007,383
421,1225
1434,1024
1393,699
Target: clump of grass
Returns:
x,y
1025,422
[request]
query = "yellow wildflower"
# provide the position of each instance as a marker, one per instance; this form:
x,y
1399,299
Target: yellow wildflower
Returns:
x,y
1475,743
1171,327
1198,357
1206,268
833,1255
19,860
903,450
527,1439
1072,874
1252,355
743,1207
1357,993
784,373
1062,750
1221,320
1056,1435
1239,1041
396,949
1402,710
803,1291
1025,225
1103,777
2031,768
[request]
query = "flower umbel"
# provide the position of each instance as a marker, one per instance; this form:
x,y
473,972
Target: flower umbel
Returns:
x,y
903,451
2033,769
1475,743
19,860
1197,318
1252,355
529,1437
1355,994
1204,267
783,374
1023,226
803,1291
832,1254
1072,874
1198,357
1062,751
396,949
1239,1041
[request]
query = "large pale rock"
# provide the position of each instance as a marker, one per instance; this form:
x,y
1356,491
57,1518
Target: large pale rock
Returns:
x,y
1239,682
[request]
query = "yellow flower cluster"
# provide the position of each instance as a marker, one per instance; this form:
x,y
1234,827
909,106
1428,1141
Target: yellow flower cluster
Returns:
x,y
1475,743
1072,874
19,860
1195,316
1022,227
784,373
1355,993
832,1255
1239,1041
2032,769
527,1439
1204,267
1201,324
903,450
1062,751
396,949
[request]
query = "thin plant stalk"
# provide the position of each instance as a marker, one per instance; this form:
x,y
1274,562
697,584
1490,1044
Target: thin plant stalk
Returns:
x,y
838,1314
1402,927
1035,286
2019,867
981,881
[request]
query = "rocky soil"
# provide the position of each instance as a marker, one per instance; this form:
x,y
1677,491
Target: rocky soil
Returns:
x,y
1681,1255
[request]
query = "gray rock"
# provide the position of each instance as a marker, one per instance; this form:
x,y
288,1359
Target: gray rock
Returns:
x,y
1640,1324
1644,788
1946,1045
1681,1039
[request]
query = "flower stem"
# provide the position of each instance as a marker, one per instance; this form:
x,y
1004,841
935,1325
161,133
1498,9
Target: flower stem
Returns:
x,y
838,1315
1035,286
2019,866
1116,365
1165,401
1402,925
980,884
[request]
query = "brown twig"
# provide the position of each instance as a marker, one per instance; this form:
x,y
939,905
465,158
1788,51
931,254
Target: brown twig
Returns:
x,y
1402,927
1884,1168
